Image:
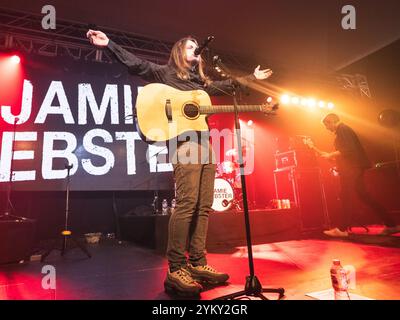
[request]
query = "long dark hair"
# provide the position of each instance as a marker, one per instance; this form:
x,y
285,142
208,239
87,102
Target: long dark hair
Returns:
x,y
177,59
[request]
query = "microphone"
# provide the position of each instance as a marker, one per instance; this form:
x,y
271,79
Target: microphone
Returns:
x,y
204,45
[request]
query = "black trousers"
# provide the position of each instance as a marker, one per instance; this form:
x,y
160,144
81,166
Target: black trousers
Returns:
x,y
352,184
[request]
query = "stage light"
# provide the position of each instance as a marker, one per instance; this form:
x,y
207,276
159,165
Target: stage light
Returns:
x,y
15,59
321,104
330,105
269,99
285,99
249,123
311,102
295,100
304,102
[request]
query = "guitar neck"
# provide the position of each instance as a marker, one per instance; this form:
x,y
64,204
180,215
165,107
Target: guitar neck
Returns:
x,y
229,108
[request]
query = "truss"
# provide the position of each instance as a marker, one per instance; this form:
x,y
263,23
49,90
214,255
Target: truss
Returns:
x,y
356,83
23,31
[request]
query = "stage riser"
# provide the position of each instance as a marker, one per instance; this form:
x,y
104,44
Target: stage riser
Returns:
x,y
226,229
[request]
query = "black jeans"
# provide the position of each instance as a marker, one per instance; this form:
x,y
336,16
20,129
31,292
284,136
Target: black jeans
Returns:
x,y
188,225
352,183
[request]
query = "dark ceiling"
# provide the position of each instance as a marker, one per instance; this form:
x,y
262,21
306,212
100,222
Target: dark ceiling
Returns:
x,y
303,34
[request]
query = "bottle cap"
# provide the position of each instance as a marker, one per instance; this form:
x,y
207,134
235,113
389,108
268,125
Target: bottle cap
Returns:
x,y
336,262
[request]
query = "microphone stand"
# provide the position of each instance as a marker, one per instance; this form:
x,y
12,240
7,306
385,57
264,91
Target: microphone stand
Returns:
x,y
155,202
66,233
253,286
9,207
156,199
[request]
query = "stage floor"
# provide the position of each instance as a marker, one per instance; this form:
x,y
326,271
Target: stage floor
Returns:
x,y
127,271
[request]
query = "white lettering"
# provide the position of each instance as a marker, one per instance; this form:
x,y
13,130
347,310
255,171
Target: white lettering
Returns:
x,y
130,138
5,160
49,154
26,106
86,96
99,151
56,89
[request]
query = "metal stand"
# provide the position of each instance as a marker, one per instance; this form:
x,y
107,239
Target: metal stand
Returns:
x,y
292,176
253,286
7,214
66,233
156,200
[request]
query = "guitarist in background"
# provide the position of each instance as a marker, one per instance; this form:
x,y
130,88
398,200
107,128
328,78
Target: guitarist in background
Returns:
x,y
194,180
352,162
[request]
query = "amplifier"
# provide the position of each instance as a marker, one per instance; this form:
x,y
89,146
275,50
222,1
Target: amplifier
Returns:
x,y
295,159
16,239
285,159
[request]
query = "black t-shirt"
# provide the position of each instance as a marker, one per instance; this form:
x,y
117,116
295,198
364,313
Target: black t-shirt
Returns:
x,y
352,153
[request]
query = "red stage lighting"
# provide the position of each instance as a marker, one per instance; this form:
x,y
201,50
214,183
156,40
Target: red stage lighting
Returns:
x,y
15,59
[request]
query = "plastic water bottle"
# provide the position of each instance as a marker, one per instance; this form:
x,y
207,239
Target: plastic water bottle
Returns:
x,y
340,282
285,204
164,207
173,205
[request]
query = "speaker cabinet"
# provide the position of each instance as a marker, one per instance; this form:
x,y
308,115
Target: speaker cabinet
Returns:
x,y
16,239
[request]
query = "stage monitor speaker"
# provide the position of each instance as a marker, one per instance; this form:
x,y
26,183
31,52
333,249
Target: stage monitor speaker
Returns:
x,y
304,188
16,239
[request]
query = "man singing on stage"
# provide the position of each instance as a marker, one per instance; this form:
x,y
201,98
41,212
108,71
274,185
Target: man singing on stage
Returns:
x,y
195,180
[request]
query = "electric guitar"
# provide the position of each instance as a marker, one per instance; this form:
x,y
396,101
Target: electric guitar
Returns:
x,y
163,112
309,143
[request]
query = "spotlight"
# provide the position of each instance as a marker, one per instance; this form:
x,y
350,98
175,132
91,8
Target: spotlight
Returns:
x,y
295,100
321,104
269,99
15,59
311,103
330,105
249,123
285,99
303,102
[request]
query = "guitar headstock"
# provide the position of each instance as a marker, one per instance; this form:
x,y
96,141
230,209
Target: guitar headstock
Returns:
x,y
308,142
268,109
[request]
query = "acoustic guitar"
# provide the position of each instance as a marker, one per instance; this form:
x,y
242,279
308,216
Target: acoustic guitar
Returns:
x,y
163,112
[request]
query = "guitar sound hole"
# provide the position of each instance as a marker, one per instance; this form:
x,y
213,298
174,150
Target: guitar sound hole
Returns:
x,y
191,111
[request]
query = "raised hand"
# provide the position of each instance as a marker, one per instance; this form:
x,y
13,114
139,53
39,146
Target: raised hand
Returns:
x,y
262,74
97,38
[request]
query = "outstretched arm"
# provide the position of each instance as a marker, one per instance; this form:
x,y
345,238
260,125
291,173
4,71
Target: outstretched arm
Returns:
x,y
226,86
148,70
